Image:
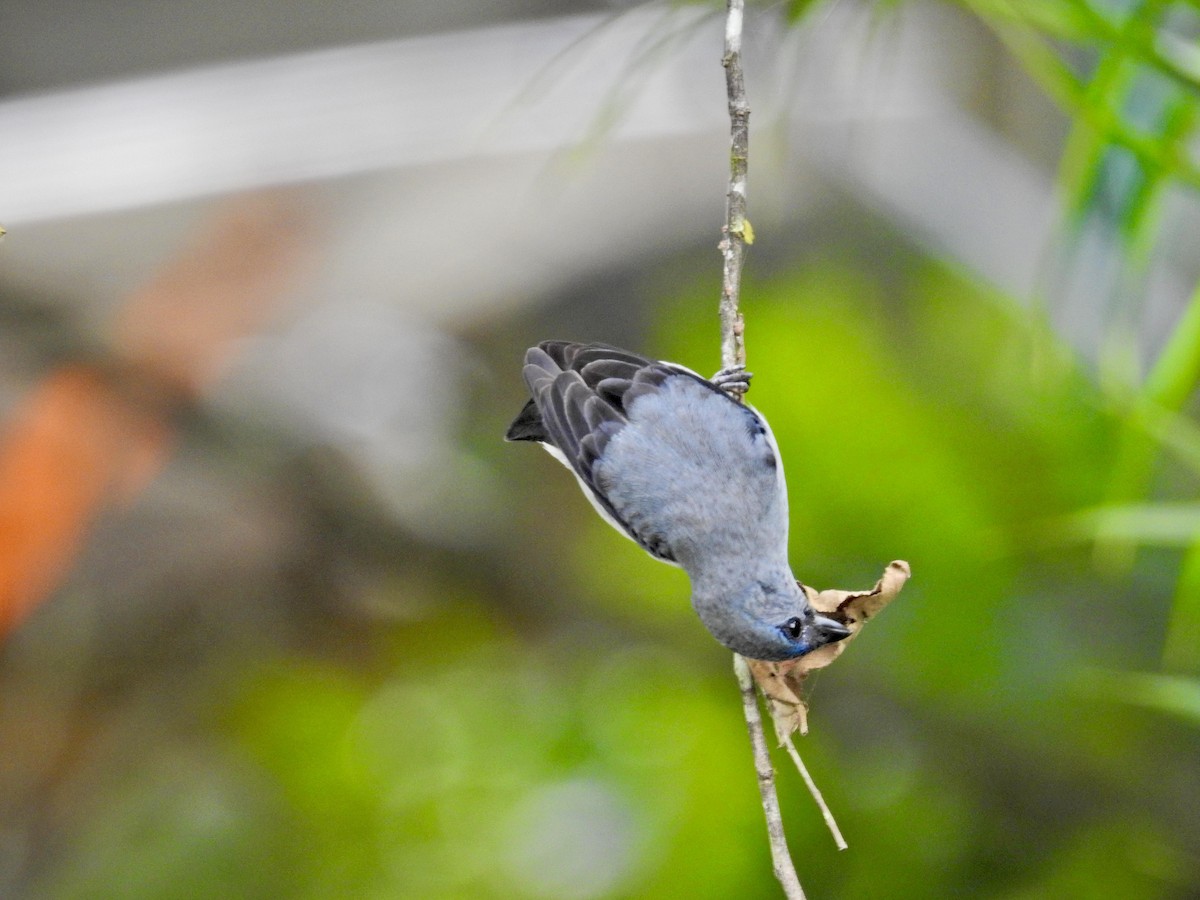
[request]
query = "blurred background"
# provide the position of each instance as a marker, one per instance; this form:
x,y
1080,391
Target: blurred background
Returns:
x,y
281,614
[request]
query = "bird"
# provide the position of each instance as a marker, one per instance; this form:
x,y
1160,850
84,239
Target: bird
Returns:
x,y
677,463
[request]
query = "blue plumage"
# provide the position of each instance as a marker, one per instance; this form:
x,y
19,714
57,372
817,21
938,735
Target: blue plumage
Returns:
x,y
672,461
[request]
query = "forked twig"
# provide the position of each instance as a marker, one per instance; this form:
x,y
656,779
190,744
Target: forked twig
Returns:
x,y
781,860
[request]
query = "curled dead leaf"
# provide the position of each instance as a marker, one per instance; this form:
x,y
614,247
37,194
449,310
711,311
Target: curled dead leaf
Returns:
x,y
782,683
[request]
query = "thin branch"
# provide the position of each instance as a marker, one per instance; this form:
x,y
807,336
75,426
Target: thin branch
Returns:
x,y
785,871
816,793
737,233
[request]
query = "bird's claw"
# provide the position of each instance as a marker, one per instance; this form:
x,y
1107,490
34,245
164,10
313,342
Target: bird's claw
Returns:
x,y
733,381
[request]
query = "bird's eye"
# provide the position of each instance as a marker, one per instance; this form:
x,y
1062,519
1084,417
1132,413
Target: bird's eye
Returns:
x,y
792,627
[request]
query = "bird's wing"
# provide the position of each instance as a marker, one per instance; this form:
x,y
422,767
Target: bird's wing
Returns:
x,y
576,409
581,397
594,363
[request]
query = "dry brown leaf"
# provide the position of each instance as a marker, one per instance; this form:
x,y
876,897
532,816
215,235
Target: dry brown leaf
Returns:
x,y
783,682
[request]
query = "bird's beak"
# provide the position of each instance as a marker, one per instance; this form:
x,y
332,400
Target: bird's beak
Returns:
x,y
827,631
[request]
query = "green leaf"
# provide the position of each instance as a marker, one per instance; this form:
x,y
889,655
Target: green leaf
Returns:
x,y
1160,524
1045,65
1064,21
1168,694
1181,651
1176,123
1176,371
1088,154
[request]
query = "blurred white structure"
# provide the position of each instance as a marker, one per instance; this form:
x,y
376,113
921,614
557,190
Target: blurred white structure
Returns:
x,y
450,166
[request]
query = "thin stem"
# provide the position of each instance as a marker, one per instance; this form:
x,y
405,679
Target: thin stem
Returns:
x,y
734,241
737,233
785,871
816,793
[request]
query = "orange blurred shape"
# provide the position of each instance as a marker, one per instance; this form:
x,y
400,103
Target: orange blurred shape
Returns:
x,y
87,437
72,445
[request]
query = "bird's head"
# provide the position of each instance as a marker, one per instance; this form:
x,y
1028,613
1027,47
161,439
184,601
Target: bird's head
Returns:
x,y
769,618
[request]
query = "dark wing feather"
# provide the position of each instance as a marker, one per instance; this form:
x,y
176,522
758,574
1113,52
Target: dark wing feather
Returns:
x,y
576,357
527,426
612,391
580,394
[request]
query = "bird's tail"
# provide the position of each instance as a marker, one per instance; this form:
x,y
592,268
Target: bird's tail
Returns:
x,y
527,426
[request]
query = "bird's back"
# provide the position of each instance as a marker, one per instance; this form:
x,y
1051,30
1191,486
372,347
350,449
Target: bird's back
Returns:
x,y
668,458
700,470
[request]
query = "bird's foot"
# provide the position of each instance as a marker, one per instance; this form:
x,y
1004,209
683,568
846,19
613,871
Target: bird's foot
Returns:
x,y
733,381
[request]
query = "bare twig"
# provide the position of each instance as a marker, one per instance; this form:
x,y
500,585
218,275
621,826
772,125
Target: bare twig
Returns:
x,y
737,231
816,793
737,234
780,858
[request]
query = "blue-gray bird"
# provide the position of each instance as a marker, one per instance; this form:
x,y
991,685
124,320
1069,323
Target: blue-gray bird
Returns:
x,y
675,462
